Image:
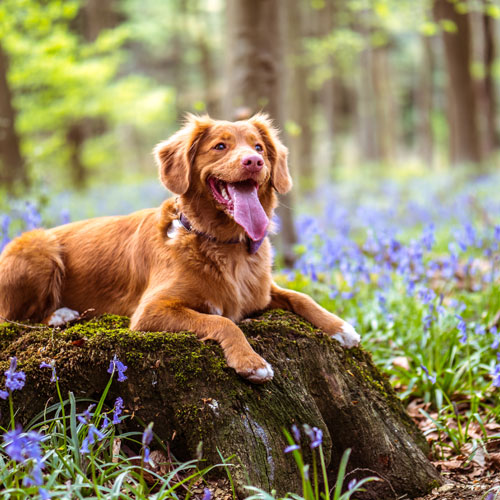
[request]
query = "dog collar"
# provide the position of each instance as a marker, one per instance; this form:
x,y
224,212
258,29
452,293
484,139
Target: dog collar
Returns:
x,y
252,246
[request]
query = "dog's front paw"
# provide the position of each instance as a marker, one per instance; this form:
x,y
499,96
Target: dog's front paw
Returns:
x,y
348,336
252,367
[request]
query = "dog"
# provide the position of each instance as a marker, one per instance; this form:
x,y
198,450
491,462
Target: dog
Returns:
x,y
200,262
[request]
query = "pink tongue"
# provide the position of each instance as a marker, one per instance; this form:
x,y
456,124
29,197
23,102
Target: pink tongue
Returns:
x,y
248,211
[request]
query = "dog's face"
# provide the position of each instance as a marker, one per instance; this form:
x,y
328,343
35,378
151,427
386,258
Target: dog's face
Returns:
x,y
229,167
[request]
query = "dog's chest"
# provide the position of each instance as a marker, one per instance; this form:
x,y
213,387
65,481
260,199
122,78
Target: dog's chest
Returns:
x,y
241,287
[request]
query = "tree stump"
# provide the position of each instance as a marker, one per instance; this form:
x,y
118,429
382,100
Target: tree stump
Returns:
x,y
185,387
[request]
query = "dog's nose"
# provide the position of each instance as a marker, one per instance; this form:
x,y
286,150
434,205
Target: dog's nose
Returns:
x,y
253,163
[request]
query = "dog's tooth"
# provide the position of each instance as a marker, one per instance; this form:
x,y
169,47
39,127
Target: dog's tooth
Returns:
x,y
225,194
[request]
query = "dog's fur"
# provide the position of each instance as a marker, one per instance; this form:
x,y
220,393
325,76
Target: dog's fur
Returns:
x,y
165,277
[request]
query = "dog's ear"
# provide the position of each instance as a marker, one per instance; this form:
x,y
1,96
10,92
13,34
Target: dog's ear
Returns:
x,y
277,152
175,156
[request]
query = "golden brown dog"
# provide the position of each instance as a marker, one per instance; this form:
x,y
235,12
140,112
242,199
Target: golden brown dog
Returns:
x,y
200,262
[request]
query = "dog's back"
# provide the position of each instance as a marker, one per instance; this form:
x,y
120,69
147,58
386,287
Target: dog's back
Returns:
x,y
83,265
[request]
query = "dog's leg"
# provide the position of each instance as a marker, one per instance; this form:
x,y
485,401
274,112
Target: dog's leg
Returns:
x,y
31,274
170,315
304,306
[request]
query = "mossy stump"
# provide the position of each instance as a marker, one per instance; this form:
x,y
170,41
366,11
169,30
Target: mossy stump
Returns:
x,y
186,389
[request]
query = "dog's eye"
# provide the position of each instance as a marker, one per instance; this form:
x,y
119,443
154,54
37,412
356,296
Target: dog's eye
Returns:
x,y
259,148
220,146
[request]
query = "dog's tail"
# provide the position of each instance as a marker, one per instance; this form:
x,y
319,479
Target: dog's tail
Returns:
x,y
31,275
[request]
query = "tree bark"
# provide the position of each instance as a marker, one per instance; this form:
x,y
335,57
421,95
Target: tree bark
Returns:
x,y
299,98
13,167
462,106
255,72
424,98
185,387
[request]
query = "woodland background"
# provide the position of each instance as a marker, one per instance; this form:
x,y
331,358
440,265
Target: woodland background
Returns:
x,y
390,112
87,87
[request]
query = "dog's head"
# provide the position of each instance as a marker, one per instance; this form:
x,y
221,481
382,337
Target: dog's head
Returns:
x,y
226,173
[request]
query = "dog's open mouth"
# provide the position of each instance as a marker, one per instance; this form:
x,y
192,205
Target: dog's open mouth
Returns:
x,y
241,202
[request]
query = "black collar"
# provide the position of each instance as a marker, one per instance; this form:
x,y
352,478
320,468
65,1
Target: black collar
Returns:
x,y
252,246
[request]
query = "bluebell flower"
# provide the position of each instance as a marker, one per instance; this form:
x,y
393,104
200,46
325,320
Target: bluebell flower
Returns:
x,y
352,483
86,416
315,435
24,447
116,364
117,411
3,394
318,438
94,434
496,337
291,447
296,433
432,378
496,373
147,435
4,226
14,379
52,366
207,494
462,328
32,217
65,216
85,446
105,422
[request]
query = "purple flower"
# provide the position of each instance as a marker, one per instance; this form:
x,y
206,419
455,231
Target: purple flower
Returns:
x,y
32,217
432,378
496,373
352,484
94,434
314,434
318,438
4,394
117,411
85,446
496,337
24,447
14,380
290,448
52,366
116,364
86,416
105,422
147,435
296,433
462,328
207,494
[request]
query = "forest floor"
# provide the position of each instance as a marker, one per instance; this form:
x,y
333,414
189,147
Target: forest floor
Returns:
x,y
471,473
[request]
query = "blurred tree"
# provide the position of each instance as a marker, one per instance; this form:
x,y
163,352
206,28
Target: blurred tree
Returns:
x,y
255,78
12,163
298,96
424,101
62,83
462,104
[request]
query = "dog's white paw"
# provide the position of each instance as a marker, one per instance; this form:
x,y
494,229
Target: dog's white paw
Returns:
x,y
63,316
349,337
261,375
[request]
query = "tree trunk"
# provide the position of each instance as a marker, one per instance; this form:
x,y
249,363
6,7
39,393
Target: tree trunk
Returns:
x,y
462,106
424,98
298,98
255,72
483,37
13,168
185,387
